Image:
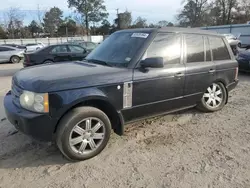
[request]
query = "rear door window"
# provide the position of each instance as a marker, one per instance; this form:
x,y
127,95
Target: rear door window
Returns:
x,y
90,45
75,49
219,49
59,49
195,48
166,45
5,49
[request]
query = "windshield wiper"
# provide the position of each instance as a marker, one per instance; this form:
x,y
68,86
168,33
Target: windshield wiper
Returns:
x,y
99,62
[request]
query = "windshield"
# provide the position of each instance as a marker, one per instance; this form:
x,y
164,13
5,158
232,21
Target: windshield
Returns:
x,y
119,49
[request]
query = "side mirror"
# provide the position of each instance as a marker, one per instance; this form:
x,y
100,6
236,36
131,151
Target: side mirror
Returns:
x,y
153,62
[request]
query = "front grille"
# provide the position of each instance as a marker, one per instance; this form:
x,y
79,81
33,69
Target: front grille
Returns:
x,y
16,93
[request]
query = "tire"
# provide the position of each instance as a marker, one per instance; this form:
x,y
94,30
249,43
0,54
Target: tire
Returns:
x,y
48,62
15,59
68,132
219,93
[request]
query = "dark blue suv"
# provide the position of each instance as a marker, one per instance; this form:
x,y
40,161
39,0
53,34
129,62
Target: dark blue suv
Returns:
x,y
134,74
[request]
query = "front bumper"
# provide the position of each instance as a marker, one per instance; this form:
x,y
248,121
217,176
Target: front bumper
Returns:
x,y
38,126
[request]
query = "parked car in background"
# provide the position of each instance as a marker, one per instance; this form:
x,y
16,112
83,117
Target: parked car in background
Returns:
x,y
75,41
89,46
10,54
16,46
134,74
233,42
55,53
232,39
34,46
243,59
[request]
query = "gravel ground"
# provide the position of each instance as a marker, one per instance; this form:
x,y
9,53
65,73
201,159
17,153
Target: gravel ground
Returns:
x,y
181,150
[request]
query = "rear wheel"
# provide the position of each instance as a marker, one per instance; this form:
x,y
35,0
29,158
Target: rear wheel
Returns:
x,y
15,59
83,133
214,98
48,62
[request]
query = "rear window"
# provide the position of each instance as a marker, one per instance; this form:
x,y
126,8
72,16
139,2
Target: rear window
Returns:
x,y
219,49
59,49
3,49
30,44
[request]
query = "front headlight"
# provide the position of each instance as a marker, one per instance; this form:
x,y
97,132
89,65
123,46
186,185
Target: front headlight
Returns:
x,y
36,102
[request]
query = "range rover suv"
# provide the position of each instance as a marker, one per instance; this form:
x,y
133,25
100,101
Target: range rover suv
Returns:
x,y
134,74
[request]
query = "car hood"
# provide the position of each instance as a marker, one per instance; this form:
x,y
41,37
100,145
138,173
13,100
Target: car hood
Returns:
x,y
69,75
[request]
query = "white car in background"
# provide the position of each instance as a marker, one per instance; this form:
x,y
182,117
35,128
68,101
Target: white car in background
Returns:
x,y
233,40
34,46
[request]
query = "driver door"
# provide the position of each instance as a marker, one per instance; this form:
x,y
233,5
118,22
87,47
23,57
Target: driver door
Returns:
x,y
158,90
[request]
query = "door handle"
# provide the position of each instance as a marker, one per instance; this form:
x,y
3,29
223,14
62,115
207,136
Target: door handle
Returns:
x,y
211,71
179,75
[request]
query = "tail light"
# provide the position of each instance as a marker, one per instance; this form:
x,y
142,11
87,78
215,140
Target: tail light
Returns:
x,y
236,73
27,58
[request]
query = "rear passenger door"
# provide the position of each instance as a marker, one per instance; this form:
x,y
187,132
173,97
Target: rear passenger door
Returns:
x,y
77,53
60,53
224,61
200,69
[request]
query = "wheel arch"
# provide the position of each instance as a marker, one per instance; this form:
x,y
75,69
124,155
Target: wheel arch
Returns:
x,y
14,55
102,104
47,60
222,81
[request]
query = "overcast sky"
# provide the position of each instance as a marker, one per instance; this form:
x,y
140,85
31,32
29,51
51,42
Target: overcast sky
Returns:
x,y
152,10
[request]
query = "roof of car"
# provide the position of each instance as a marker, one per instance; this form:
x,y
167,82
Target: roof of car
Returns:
x,y
174,30
11,47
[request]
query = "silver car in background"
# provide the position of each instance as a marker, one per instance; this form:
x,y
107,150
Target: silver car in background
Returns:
x,y
34,46
10,54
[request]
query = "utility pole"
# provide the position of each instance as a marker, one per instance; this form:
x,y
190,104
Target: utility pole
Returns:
x,y
118,19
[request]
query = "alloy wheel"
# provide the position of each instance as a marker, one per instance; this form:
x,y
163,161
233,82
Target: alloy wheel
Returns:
x,y
213,97
87,135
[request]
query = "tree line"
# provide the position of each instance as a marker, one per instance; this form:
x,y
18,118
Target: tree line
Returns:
x,y
196,13
90,17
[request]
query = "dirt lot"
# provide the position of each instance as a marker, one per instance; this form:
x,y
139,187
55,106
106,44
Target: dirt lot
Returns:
x,y
182,150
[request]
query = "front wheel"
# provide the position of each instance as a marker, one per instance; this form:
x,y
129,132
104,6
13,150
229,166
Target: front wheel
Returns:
x,y
214,98
83,133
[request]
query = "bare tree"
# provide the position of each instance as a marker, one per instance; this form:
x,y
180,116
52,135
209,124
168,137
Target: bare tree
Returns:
x,y
40,16
242,13
226,7
14,22
80,23
193,13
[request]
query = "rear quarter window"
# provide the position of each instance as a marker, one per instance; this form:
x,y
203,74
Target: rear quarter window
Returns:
x,y
219,49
